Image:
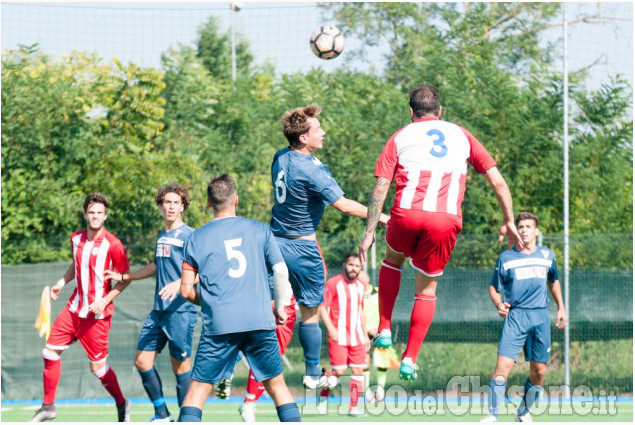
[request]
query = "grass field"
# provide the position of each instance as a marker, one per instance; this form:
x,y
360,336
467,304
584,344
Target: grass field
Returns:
x,y
395,410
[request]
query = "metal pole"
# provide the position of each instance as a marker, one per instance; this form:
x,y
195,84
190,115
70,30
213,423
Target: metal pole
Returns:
x,y
235,7
567,380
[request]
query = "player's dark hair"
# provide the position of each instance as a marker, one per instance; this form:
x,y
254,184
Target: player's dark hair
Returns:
x,y
424,101
296,122
173,188
220,190
351,255
526,216
95,198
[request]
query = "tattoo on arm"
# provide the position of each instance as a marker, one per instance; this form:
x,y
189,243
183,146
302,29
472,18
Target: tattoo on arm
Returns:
x,y
376,203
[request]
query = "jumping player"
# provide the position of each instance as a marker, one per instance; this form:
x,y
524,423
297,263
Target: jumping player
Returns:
x,y
302,187
343,315
87,316
172,318
519,291
231,255
429,159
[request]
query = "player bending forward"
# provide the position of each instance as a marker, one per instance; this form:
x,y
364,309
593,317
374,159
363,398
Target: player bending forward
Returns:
x,y
523,277
231,255
87,316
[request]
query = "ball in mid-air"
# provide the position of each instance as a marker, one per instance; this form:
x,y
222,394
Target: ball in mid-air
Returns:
x,y
327,42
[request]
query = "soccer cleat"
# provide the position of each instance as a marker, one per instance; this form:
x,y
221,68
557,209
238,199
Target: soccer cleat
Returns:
x,y
157,419
489,418
223,389
408,370
380,393
383,339
326,380
45,413
524,418
356,412
322,406
123,411
247,411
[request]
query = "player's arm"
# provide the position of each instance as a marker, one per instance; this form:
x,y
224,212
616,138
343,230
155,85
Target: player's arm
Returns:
x,y
365,329
374,214
556,293
328,323
100,305
501,306
281,291
188,276
68,276
355,209
172,289
144,272
504,197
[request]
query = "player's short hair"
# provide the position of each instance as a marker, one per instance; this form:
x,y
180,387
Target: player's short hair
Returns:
x,y
295,122
95,198
351,255
526,216
221,190
424,101
173,188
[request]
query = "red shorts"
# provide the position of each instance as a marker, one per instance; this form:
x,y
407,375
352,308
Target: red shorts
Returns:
x,y
426,238
343,356
92,334
284,332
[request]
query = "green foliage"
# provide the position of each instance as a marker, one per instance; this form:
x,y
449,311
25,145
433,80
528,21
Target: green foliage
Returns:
x,y
75,124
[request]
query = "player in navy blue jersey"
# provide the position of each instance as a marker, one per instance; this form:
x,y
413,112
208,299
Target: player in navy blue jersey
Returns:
x,y
231,256
303,186
172,318
519,291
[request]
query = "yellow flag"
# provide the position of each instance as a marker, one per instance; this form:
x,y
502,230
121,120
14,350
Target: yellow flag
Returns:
x,y
43,319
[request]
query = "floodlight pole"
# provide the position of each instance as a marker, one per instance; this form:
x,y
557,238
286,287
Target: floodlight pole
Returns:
x,y
235,7
567,380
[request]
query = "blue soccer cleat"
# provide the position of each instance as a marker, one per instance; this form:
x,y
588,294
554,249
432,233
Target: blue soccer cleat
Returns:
x,y
383,339
408,370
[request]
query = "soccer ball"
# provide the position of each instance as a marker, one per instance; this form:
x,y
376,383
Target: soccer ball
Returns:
x,y
327,42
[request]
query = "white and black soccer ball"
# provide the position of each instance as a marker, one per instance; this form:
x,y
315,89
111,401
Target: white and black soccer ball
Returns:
x,y
327,42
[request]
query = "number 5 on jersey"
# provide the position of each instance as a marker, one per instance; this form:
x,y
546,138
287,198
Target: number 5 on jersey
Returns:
x,y
235,254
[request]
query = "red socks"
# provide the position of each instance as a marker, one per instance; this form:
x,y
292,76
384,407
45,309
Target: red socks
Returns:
x,y
420,320
52,373
389,282
110,383
356,388
254,388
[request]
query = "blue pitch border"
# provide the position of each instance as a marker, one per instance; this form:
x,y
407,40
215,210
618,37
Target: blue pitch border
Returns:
x,y
265,400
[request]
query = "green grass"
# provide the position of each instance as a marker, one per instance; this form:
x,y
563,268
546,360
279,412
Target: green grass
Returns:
x,y
265,412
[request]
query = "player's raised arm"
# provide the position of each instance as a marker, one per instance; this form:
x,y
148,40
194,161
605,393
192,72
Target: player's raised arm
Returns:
x,y
504,197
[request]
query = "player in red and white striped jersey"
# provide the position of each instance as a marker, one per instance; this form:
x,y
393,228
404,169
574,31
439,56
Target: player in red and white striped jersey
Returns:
x,y
428,159
343,315
87,316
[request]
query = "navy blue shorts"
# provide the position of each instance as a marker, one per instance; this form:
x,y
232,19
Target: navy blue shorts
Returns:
x,y
527,329
307,272
216,355
172,327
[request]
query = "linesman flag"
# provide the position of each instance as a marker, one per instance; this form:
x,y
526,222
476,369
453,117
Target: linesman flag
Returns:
x,y
43,319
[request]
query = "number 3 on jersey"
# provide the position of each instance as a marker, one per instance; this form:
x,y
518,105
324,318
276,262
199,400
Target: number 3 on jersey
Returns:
x,y
280,188
439,149
233,253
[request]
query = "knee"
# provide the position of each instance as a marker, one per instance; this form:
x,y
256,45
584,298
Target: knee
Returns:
x,y
99,370
48,354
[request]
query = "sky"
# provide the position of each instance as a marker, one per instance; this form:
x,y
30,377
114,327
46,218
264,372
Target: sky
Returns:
x,y
278,32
